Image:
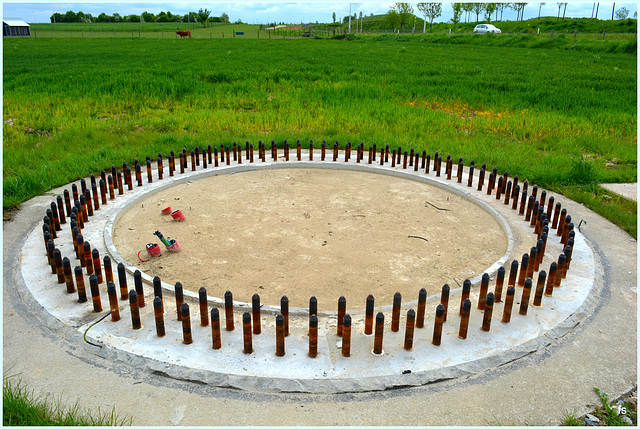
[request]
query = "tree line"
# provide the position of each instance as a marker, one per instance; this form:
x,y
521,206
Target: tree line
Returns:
x,y
202,16
401,13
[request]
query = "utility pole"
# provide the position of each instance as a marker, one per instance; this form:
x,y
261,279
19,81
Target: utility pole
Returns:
x,y
613,10
597,9
349,17
592,10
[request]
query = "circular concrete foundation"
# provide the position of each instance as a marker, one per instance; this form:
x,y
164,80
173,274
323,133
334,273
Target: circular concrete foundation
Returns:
x,y
330,371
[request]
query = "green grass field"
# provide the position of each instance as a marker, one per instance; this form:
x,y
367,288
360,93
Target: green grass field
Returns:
x,y
564,119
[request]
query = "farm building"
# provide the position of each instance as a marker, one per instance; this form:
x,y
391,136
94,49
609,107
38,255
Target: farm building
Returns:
x,y
15,27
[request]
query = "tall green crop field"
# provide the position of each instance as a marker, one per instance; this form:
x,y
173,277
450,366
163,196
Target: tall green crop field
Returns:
x,y
75,106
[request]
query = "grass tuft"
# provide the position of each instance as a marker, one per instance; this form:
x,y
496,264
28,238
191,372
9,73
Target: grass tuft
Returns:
x,y
22,407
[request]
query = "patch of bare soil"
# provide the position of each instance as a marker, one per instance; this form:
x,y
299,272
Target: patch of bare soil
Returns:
x,y
304,232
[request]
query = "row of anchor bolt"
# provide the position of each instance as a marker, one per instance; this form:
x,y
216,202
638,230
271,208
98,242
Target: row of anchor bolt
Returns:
x,y
89,199
251,321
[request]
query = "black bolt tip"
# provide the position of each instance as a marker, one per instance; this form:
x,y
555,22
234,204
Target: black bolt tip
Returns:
x,y
279,320
445,289
466,286
342,299
485,277
157,302
313,321
511,291
542,276
137,273
466,305
380,318
228,298
346,320
93,279
490,299
133,297
525,258
56,253
527,283
111,288
66,263
411,314
215,315
440,310
86,246
284,299
95,253
422,293
77,271
184,309
255,299
106,259
246,318
202,294
501,272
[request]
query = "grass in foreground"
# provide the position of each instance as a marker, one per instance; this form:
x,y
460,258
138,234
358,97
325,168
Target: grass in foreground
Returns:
x,y
608,414
22,408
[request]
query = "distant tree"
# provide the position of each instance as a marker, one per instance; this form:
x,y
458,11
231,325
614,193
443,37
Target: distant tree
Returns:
x,y
560,4
334,17
467,8
489,8
519,8
622,13
477,9
148,17
71,16
162,17
431,11
404,10
501,7
457,13
202,16
635,14
225,17
117,17
540,9
392,18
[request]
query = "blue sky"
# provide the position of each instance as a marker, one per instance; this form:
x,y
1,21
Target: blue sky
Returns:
x,y
289,12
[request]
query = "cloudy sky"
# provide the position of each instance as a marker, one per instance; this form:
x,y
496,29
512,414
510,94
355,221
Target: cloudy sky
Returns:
x,y
275,11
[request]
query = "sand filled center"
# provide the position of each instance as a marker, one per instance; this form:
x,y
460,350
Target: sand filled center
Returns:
x,y
312,232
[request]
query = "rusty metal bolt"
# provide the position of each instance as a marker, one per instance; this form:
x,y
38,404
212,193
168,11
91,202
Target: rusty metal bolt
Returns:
x,y
228,309
465,311
346,335
280,335
313,336
159,317
395,314
488,311
255,307
215,329
379,332
113,301
368,321
82,292
437,326
422,303
499,284
526,294
186,323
